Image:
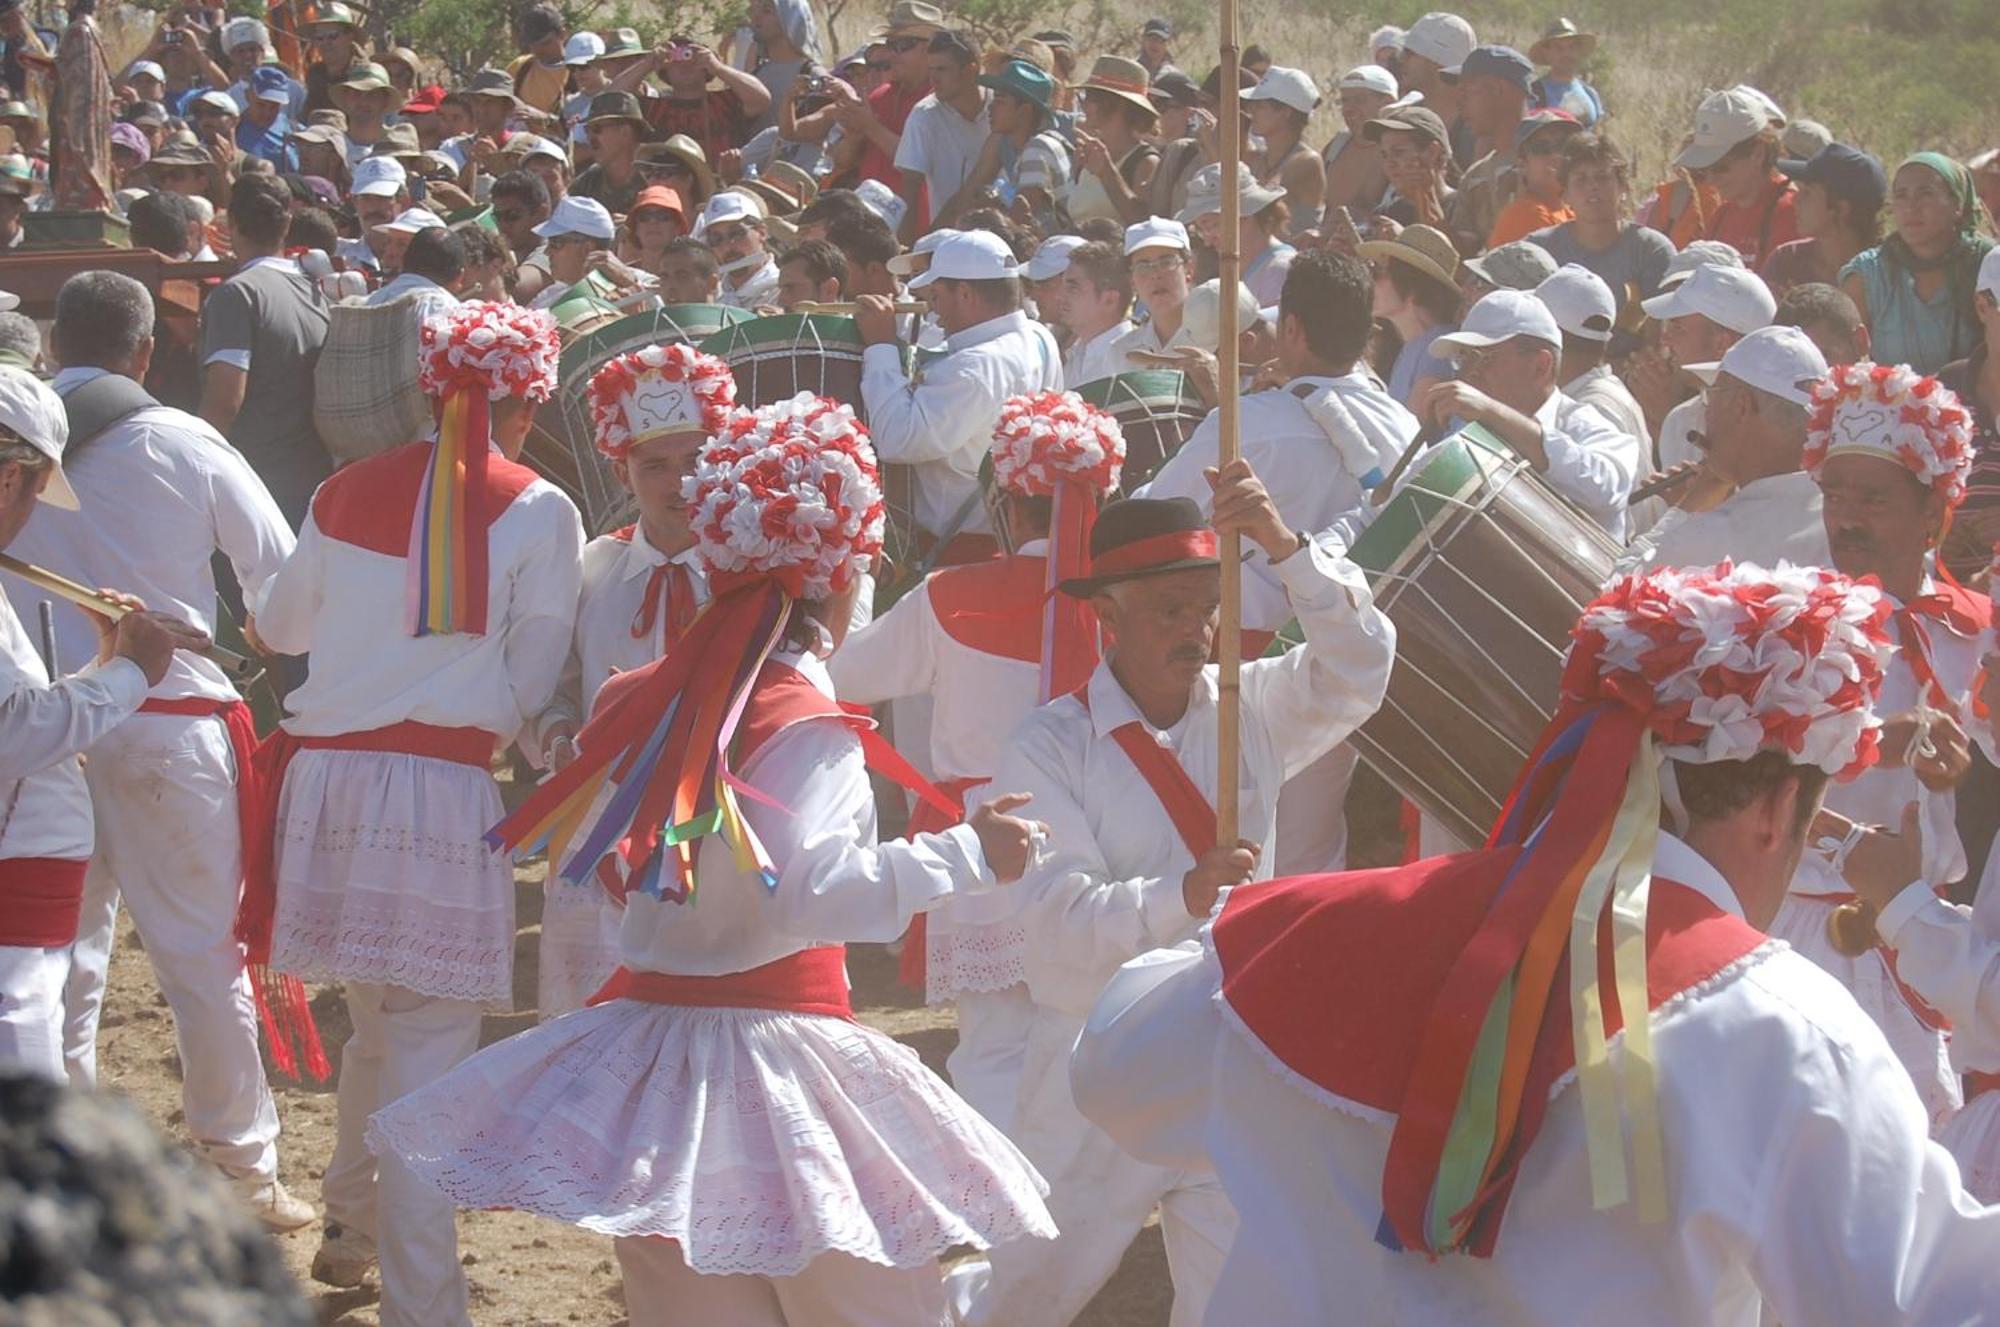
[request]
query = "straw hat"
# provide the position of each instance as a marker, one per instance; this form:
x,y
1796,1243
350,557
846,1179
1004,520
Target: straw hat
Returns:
x,y
1424,248
1562,30
910,18
1122,78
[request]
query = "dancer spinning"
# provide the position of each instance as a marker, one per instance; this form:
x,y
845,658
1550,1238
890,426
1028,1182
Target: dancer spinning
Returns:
x,y
761,1157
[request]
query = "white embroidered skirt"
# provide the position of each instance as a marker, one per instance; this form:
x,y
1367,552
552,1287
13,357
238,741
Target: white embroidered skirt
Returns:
x,y
1973,1136
757,1139
579,946
970,956
383,877
1801,923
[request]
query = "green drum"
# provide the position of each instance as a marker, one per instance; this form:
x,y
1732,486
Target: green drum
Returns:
x,y
1484,569
776,358
1156,410
563,444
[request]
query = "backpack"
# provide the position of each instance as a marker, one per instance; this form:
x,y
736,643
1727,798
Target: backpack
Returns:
x,y
366,397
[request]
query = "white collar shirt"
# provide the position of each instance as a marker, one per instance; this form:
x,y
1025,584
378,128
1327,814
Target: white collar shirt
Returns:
x,y
1098,357
1110,886
757,289
158,493
1767,521
1592,461
1795,1144
429,298
940,420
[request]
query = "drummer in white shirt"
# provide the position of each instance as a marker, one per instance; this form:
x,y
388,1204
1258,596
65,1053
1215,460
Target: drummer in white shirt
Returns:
x,y
1097,291
939,421
1756,416
1319,442
1508,351
1159,259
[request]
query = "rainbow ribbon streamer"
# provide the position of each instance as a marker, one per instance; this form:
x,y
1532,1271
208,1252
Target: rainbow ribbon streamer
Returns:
x,y
445,588
652,779
1585,815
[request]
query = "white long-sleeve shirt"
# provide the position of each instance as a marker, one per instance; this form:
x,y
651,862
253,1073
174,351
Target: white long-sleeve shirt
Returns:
x,y
1799,1170
1099,357
978,696
835,883
1298,464
44,803
1767,521
940,421
616,575
1110,887
1950,955
1592,461
344,604
158,494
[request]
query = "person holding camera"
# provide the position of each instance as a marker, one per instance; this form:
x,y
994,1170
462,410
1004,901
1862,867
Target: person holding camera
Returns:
x,y
706,99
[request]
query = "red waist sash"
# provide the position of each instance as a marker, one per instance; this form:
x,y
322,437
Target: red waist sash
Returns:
x,y
812,981
40,898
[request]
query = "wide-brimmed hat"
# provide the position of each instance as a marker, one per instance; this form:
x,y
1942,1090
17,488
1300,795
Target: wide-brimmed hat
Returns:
x,y
1122,78
1022,79
622,43
1424,248
1139,537
785,188
181,153
366,77
1561,30
1205,193
910,18
492,83
611,107
681,148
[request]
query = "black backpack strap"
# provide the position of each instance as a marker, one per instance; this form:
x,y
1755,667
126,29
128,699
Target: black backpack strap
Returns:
x,y
95,406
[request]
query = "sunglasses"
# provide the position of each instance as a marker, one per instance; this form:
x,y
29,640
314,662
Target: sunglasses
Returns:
x,y
880,67
727,234
904,45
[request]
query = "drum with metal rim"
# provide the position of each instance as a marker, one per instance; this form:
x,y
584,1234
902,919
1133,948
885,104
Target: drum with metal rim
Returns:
x,y
1484,570
775,358
563,442
1156,409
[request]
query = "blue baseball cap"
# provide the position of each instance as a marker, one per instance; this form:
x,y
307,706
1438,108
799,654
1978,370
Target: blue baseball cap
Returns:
x,y
1846,173
1023,80
270,83
1502,62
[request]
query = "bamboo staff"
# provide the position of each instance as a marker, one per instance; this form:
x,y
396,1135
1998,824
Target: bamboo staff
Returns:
x,y
1228,382
232,663
849,306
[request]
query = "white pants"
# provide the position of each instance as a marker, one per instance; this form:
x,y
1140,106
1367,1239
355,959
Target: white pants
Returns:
x,y
1312,816
163,788
985,1066
834,1290
401,1041
1100,1198
31,1009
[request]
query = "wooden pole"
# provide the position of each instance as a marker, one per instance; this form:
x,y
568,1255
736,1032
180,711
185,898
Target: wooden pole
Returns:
x,y
1229,656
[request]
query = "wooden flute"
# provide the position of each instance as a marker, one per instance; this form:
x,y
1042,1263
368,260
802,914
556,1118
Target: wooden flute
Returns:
x,y
238,667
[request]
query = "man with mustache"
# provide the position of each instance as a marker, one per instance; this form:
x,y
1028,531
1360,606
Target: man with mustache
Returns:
x,y
1124,773
1890,451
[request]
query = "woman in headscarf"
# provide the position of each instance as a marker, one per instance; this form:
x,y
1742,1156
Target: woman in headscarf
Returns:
x,y
1915,289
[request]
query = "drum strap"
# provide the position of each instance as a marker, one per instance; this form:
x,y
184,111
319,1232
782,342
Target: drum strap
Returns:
x,y
1186,805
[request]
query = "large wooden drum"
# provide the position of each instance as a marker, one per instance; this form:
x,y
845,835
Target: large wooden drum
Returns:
x,y
1484,570
1156,409
563,443
778,357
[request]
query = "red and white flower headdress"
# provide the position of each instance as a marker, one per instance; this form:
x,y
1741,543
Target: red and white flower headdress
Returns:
x,y
1698,665
1056,445
470,356
1894,412
657,390
792,491
1048,439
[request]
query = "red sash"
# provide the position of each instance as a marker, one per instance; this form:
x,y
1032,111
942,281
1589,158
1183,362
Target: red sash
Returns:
x,y
812,981
926,817
42,897
993,607
1187,806
281,1001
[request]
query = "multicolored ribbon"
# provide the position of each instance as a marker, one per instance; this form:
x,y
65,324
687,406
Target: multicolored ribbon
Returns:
x,y
659,753
446,564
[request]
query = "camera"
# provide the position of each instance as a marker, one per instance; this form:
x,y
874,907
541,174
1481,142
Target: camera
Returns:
x,y
679,51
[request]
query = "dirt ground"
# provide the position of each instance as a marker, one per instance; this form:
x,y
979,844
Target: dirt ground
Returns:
x,y
525,1271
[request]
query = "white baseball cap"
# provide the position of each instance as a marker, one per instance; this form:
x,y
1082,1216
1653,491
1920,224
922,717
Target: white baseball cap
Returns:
x,y
905,264
1201,319
147,69
725,207
534,145
411,220
244,32
883,201
9,301
1443,39
578,216
1501,316
36,415
1051,257
1727,296
216,101
1388,36
378,177
1368,78
1780,360
1989,274
1723,120
582,48
1698,254
1293,87
973,255
1581,302
1156,233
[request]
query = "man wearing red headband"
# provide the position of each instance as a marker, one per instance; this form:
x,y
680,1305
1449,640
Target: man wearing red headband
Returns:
x,y
1889,451
1564,1079
988,642
1124,771
434,586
